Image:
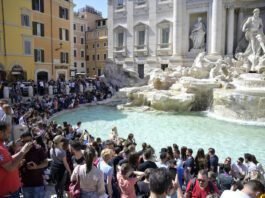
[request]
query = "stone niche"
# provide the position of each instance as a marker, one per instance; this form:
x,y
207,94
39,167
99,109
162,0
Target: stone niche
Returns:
x,y
193,20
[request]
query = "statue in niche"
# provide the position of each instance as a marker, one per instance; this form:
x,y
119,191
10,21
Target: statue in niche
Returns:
x,y
198,35
253,29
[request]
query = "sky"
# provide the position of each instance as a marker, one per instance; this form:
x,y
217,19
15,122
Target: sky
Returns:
x,y
100,5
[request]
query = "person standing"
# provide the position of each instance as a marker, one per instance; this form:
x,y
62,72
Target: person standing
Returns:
x,y
9,174
33,169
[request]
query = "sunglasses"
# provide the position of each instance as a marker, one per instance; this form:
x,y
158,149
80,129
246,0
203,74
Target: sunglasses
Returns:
x,y
201,180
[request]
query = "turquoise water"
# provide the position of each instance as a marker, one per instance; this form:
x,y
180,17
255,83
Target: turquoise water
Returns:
x,y
162,129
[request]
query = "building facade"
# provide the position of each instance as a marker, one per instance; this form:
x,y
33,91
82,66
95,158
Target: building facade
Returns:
x,y
51,29
16,40
97,48
84,21
148,34
35,39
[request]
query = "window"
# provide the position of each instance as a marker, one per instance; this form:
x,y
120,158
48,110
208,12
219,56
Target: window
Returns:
x,y
141,70
164,66
141,38
38,5
87,58
82,28
82,54
82,40
75,64
74,53
99,72
120,39
63,13
97,45
94,57
64,57
140,2
25,20
104,23
74,26
93,45
38,29
105,44
39,55
105,56
74,39
120,4
82,65
27,47
98,23
165,37
64,34
98,56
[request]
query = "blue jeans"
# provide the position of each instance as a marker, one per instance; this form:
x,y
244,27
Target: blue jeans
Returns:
x,y
34,192
89,194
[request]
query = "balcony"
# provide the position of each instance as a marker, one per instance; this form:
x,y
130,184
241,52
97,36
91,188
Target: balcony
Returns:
x,y
120,51
141,50
164,49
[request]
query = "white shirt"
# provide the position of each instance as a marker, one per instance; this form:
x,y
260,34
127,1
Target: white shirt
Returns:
x,y
251,167
234,194
239,169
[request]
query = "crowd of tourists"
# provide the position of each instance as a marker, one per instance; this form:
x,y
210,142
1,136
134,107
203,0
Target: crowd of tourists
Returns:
x,y
47,153
19,89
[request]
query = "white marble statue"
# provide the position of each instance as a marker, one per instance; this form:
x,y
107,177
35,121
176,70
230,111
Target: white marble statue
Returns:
x,y
253,29
198,35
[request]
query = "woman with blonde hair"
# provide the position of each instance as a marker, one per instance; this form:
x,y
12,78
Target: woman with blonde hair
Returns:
x,y
106,156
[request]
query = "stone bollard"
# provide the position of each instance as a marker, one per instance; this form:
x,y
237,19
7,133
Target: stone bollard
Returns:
x,y
67,89
50,90
6,92
81,88
30,91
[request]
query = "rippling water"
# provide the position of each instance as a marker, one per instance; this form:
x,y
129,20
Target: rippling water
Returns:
x,y
194,130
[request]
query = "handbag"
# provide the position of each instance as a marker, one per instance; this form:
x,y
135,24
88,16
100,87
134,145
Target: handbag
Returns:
x,y
74,187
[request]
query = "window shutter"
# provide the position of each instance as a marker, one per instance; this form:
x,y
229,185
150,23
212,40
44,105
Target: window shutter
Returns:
x,y
67,35
62,57
34,25
41,6
22,20
66,12
66,57
42,56
60,11
42,29
33,4
60,33
35,55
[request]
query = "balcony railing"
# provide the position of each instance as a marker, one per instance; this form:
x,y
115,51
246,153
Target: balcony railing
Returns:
x,y
141,50
164,49
120,51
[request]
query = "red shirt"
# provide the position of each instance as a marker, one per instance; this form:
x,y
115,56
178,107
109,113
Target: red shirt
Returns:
x,y
197,192
9,181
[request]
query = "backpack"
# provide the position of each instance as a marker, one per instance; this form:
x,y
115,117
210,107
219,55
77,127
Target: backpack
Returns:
x,y
192,185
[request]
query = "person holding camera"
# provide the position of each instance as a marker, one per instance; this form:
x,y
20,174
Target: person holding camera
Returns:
x,y
9,175
33,168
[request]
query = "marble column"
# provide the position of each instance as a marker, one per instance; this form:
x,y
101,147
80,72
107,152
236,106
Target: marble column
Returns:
x,y
216,28
178,12
230,31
